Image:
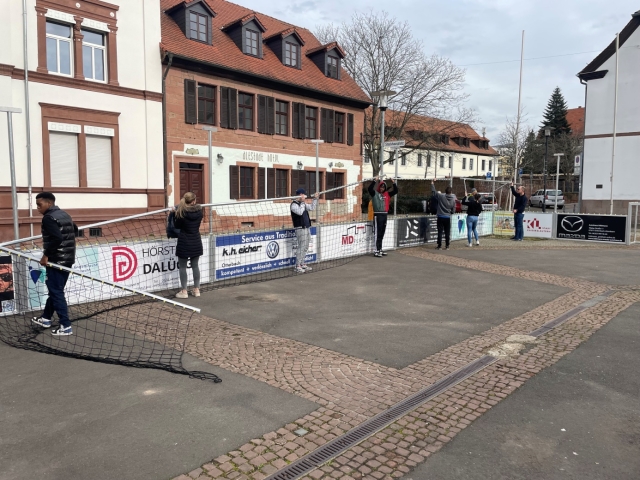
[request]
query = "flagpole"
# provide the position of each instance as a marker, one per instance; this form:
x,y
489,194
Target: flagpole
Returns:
x,y
615,111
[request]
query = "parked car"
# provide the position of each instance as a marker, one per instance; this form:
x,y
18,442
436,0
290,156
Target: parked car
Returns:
x,y
549,199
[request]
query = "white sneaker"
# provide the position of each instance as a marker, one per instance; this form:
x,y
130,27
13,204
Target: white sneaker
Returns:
x,y
306,268
299,269
182,294
470,245
478,243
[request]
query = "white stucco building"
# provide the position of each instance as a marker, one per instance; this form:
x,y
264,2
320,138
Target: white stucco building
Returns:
x,y
599,76
95,107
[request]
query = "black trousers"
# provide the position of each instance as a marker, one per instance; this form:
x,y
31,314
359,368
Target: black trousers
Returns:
x,y
444,225
380,226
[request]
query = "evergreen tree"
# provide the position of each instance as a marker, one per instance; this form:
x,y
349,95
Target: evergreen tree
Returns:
x,y
555,115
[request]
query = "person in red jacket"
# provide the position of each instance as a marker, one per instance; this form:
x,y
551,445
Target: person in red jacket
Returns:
x,y
380,199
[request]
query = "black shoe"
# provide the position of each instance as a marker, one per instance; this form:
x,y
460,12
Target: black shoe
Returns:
x,y
446,248
512,238
377,254
384,254
438,248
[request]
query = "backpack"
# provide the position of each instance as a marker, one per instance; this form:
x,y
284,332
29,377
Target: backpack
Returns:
x,y
172,231
433,205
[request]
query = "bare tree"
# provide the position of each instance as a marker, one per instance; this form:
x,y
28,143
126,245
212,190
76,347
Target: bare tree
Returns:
x,y
383,54
512,144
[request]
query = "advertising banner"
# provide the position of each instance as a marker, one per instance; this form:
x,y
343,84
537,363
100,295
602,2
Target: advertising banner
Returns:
x,y
596,228
411,231
539,225
250,253
459,225
339,241
7,304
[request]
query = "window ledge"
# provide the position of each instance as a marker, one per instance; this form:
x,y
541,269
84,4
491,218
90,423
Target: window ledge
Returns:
x,y
339,145
249,133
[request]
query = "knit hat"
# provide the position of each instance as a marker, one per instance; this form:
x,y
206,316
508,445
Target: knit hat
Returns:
x,y
301,191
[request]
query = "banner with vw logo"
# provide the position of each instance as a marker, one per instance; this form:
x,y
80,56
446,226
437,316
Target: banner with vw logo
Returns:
x,y
596,228
256,252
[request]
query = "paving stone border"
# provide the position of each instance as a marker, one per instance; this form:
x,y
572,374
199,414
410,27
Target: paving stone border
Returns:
x,y
350,390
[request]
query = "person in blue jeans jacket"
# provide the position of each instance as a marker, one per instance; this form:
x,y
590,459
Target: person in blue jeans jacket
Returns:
x,y
518,211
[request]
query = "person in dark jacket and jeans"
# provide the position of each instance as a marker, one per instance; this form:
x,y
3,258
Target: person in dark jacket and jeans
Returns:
x,y
189,248
518,211
59,247
380,199
474,209
302,223
446,208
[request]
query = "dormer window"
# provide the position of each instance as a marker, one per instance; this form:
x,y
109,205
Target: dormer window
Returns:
x,y
333,66
198,24
291,52
194,19
251,42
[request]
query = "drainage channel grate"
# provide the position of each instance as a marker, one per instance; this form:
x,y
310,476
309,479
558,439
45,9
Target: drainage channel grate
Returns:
x,y
550,325
363,431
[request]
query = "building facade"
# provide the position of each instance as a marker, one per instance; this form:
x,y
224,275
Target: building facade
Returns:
x,y
453,150
270,89
599,165
94,135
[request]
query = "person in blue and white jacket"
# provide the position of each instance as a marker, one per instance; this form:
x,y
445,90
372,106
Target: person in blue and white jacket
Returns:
x,y
302,223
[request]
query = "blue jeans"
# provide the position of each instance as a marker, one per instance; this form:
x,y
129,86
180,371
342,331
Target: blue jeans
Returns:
x,y
518,219
472,224
56,281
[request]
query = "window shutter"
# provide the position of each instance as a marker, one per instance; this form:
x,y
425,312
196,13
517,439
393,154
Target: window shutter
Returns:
x,y
224,107
262,115
261,179
350,129
63,159
190,102
295,174
271,116
301,120
295,124
233,108
331,117
99,167
324,127
271,183
331,179
234,182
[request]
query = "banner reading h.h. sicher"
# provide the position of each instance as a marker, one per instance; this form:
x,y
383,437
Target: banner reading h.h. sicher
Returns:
x,y
597,228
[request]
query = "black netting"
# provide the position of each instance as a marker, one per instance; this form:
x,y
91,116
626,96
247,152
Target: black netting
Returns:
x,y
126,269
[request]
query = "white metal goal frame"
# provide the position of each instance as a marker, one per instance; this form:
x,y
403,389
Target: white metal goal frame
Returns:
x,y
632,223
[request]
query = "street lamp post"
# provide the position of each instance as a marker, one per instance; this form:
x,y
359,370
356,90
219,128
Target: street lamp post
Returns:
x,y
317,142
547,134
381,98
557,155
12,166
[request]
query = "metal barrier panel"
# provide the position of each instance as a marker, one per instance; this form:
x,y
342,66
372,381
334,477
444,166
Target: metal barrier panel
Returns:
x,y
632,223
592,228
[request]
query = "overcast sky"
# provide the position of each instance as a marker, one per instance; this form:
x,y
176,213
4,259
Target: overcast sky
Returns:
x,y
470,32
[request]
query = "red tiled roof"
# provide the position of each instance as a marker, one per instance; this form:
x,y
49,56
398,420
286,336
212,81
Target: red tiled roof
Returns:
x,y
246,19
326,48
225,53
575,117
286,33
423,123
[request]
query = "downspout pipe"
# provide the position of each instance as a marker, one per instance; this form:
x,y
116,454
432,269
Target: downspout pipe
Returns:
x,y
584,132
27,116
169,58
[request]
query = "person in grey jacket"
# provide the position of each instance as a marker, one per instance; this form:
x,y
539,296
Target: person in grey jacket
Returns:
x,y
302,223
446,208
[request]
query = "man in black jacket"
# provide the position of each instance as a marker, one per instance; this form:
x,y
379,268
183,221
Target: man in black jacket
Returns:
x,y
302,223
59,247
518,211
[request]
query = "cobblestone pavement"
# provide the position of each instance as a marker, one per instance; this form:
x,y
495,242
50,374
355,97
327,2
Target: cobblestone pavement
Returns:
x,y
349,390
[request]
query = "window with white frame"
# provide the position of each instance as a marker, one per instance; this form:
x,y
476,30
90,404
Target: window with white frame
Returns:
x,y
59,58
450,162
94,56
464,163
403,159
419,159
490,165
471,164
99,171
483,164
63,151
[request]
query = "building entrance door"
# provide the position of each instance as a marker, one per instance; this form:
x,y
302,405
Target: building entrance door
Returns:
x,y
192,180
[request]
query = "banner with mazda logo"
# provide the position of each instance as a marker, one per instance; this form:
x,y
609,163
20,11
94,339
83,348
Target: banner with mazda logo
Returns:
x,y
596,228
